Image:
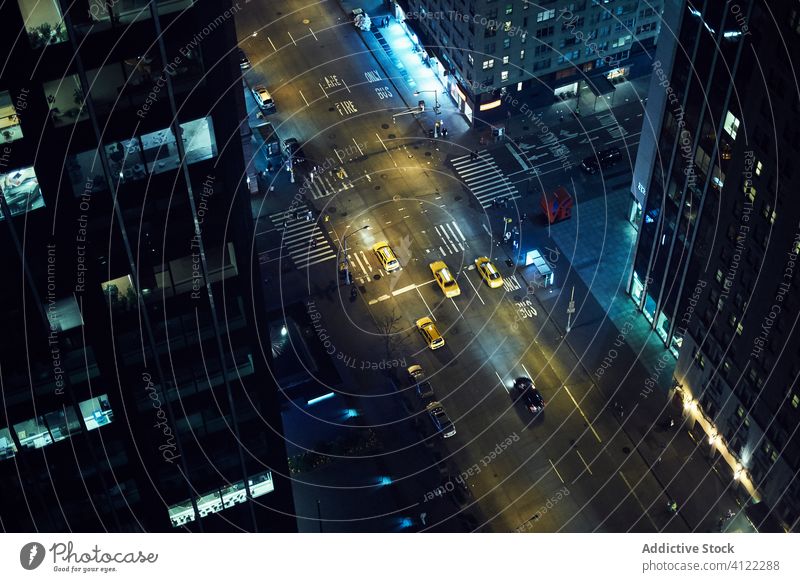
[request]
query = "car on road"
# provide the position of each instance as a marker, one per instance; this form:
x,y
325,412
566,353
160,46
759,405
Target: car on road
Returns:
x,y
445,279
264,99
602,160
386,256
422,386
529,395
441,422
489,272
293,151
429,333
244,62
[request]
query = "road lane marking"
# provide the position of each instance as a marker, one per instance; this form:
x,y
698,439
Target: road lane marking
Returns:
x,y
304,97
517,157
584,462
474,288
358,146
433,317
503,384
358,260
387,149
290,36
272,43
528,374
323,90
405,289
594,432
345,86
639,501
454,304
312,33
556,470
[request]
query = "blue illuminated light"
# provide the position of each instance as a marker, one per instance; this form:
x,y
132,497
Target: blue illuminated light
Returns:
x,y
314,401
406,522
384,480
350,413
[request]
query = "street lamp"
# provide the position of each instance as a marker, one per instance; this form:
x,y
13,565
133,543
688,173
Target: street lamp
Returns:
x,y
570,309
344,250
436,108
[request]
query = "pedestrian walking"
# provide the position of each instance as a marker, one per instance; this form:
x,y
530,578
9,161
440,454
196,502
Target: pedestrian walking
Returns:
x,y
473,155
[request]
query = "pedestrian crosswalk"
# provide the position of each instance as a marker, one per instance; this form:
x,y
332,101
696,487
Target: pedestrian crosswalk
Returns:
x,y
359,266
302,239
612,125
451,239
484,178
327,184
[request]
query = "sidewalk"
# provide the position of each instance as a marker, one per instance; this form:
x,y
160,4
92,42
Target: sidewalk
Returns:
x,y
407,71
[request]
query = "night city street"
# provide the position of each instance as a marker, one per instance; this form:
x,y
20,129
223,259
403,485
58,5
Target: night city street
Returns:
x,y
402,266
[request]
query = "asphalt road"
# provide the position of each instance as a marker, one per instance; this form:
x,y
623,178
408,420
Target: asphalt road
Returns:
x,y
568,468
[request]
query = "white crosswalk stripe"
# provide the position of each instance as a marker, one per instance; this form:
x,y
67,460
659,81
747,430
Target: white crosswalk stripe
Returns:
x,y
511,283
484,179
617,131
324,186
363,271
451,239
297,236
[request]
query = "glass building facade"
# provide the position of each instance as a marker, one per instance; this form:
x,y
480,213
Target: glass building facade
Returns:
x,y
133,380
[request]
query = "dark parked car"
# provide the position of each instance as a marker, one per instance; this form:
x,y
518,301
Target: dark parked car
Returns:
x,y
422,386
441,422
529,395
244,62
293,151
602,160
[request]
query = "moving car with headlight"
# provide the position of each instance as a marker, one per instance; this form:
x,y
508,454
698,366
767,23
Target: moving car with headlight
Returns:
x,y
386,256
529,395
489,272
445,279
441,422
429,333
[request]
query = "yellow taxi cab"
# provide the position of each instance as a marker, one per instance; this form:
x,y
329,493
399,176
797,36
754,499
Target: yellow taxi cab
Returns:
x,y
489,272
429,332
386,256
445,279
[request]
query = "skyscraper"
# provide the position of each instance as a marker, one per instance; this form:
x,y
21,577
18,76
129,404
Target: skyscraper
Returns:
x,y
715,269
538,51
135,393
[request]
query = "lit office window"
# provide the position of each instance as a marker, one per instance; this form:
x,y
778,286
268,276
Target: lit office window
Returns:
x,y
62,423
65,98
7,447
504,76
219,499
198,139
21,191
43,22
33,433
10,129
731,124
120,293
96,412
546,15
64,314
